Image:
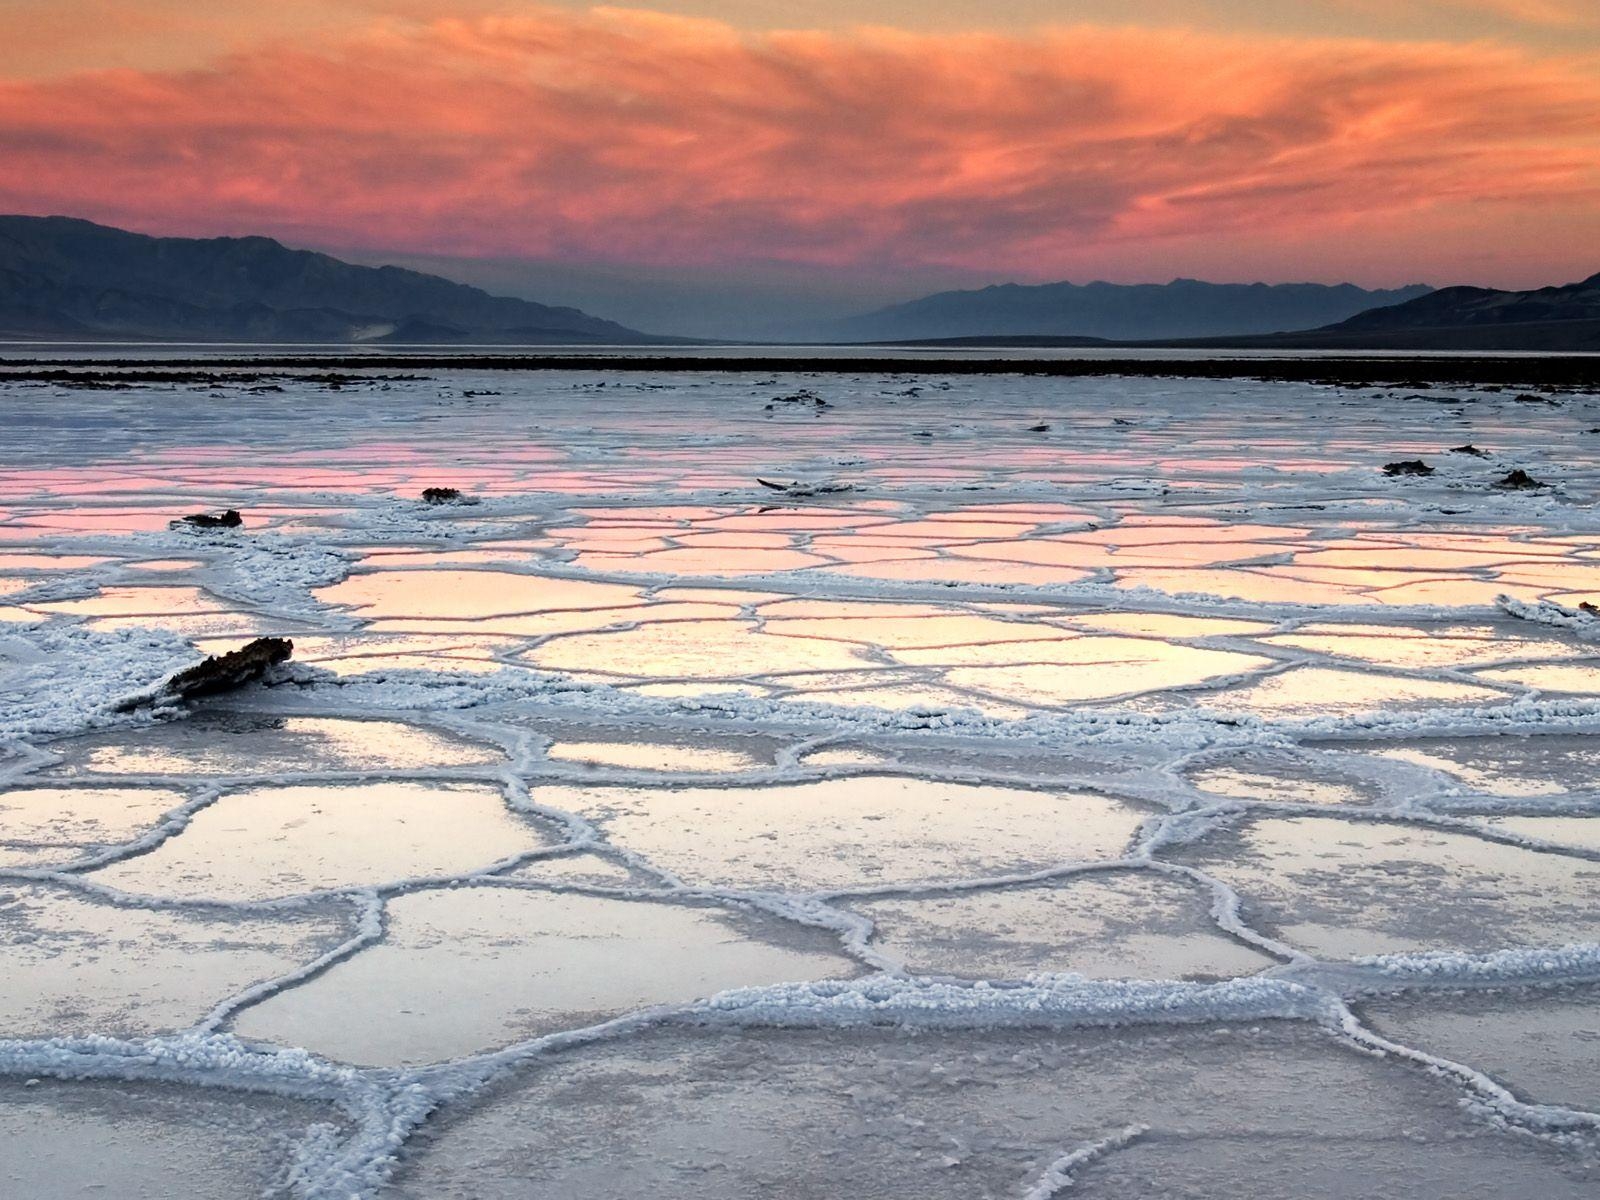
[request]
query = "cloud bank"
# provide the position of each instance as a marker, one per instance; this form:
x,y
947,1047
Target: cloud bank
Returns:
x,y
626,136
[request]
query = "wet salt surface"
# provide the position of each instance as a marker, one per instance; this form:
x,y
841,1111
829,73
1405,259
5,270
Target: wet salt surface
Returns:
x,y
223,743
82,965
66,1140
1258,1113
471,969
1341,889
264,843
851,833
1543,1044
1135,925
617,833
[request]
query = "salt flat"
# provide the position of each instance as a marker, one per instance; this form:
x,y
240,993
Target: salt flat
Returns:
x,y
1167,801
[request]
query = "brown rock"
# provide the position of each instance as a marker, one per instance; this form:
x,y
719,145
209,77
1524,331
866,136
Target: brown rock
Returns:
x,y
1520,481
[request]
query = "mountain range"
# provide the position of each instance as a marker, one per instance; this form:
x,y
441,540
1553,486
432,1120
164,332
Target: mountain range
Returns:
x,y
63,279
67,279
1184,308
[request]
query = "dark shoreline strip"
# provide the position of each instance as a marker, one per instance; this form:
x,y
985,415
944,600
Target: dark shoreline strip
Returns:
x,y
1564,372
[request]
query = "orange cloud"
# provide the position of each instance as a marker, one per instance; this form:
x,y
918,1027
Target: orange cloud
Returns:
x,y
631,136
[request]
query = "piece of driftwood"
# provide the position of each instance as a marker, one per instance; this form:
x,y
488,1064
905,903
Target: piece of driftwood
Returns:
x,y
803,396
219,673
228,520
446,495
801,489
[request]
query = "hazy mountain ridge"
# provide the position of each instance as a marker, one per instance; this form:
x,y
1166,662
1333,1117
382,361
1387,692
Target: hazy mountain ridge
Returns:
x,y
64,277
69,279
1180,309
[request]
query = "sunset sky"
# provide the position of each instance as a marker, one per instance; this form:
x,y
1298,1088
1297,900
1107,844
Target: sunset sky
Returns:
x,y
821,154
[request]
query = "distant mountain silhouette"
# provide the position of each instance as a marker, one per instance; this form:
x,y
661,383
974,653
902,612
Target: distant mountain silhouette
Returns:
x,y
1549,320
62,278
1184,308
1483,309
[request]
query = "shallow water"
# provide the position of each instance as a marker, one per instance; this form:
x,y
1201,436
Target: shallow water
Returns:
x,y
990,813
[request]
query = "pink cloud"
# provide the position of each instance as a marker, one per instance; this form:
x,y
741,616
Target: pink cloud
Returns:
x,y
630,136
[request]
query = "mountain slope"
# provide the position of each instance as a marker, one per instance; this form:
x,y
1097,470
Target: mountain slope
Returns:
x,y
62,277
1470,307
1181,309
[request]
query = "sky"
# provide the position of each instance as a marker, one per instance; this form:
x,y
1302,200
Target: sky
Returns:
x,y
739,166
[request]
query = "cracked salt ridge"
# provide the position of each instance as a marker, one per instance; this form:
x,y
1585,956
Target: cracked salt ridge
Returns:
x,y
292,591
1495,968
413,691
273,571
277,571
71,679
1545,612
1101,594
1058,1176
278,579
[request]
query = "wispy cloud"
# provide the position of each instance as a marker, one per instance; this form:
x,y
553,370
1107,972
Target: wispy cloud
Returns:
x,y
633,136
